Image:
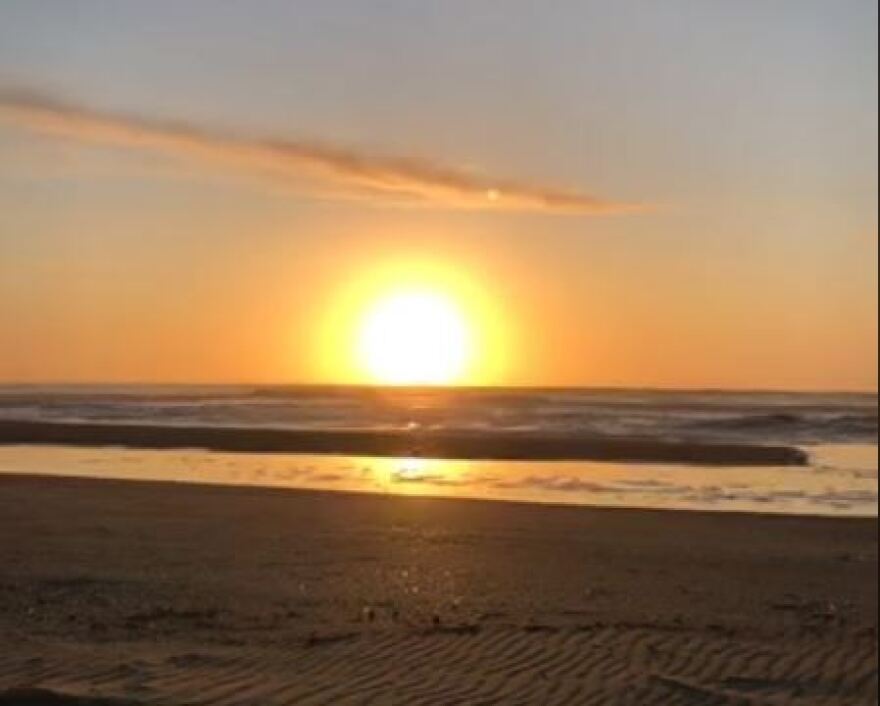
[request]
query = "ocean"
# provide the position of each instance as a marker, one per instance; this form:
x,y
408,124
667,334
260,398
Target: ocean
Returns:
x,y
838,430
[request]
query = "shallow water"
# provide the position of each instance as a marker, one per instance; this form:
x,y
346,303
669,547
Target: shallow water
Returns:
x,y
841,479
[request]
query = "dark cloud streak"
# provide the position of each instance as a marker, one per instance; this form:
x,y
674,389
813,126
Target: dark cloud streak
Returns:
x,y
379,179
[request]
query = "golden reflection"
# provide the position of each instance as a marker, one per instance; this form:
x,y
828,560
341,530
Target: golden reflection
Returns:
x,y
420,476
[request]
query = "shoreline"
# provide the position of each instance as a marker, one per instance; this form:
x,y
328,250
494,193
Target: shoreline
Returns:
x,y
486,446
352,493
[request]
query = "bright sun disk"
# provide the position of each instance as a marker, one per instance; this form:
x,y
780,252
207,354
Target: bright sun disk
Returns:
x,y
415,337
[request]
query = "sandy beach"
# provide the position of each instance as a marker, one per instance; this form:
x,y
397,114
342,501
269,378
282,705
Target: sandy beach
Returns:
x,y
461,445
159,593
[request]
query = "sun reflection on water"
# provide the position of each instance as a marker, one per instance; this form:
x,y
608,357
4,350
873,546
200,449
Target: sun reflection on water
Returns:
x,y
840,480
419,476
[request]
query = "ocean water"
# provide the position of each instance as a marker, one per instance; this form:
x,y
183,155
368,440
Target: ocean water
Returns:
x,y
839,432
783,418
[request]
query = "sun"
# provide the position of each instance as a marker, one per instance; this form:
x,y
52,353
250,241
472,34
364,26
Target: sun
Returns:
x,y
411,320
415,337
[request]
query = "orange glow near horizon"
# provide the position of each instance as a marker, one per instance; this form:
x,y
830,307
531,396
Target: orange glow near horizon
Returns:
x,y
412,323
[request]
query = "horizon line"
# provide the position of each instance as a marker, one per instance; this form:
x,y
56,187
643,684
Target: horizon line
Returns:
x,y
464,387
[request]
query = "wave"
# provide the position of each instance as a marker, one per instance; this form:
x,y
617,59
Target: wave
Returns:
x,y
770,418
858,426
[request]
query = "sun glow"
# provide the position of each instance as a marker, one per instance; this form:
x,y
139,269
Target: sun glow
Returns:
x,y
415,337
412,321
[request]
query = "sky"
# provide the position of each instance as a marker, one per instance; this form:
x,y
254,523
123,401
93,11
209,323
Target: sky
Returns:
x,y
678,194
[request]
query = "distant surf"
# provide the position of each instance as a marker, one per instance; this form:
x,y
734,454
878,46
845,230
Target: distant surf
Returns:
x,y
674,416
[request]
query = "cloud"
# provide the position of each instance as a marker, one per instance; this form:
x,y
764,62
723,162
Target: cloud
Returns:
x,y
383,180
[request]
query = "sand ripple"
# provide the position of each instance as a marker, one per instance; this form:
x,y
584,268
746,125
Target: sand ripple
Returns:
x,y
509,665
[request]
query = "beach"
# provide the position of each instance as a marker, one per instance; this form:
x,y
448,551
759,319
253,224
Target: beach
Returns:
x,y
439,353
403,443
158,593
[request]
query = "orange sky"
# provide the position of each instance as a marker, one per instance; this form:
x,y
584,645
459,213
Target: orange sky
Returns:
x,y
617,198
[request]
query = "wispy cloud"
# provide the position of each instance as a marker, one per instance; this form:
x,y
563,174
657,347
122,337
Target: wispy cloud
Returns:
x,y
385,180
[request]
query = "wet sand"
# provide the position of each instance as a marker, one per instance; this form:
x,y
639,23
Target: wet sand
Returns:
x,y
166,593
482,446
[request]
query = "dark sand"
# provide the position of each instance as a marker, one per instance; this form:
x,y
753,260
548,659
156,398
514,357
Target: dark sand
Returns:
x,y
165,594
483,446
